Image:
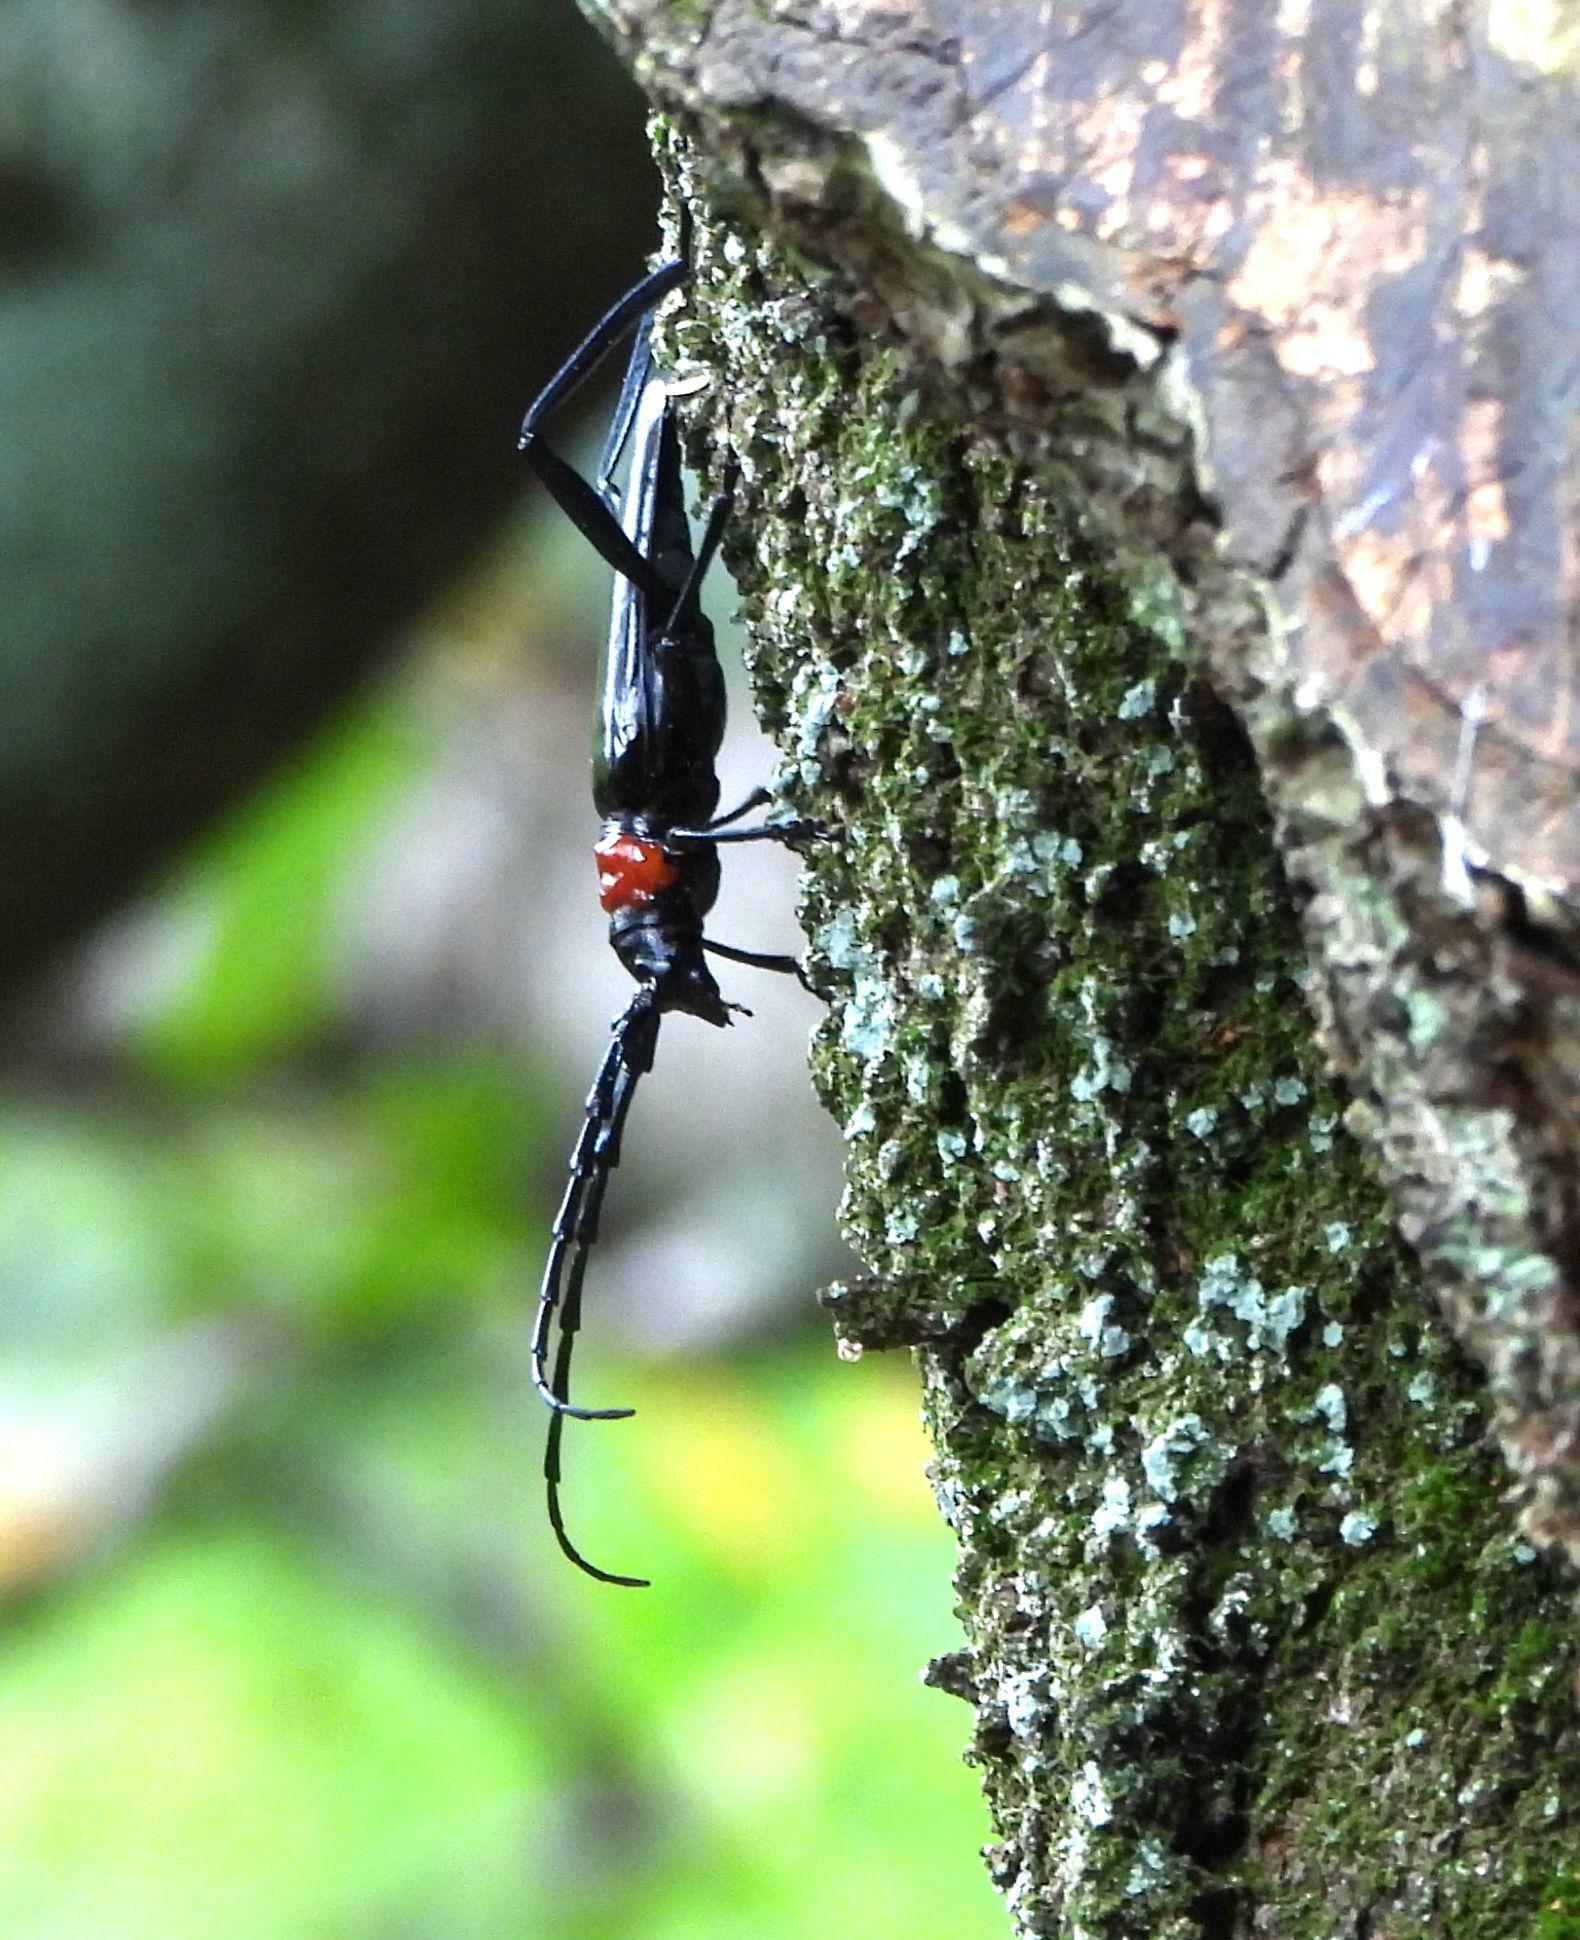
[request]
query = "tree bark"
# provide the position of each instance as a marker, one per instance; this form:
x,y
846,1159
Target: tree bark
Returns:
x,y
1104,601
275,285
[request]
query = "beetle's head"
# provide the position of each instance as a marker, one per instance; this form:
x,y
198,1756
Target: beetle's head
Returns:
x,y
663,949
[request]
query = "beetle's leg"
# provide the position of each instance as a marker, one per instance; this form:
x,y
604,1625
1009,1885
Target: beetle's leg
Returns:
x,y
592,518
800,830
712,533
758,798
601,339
588,508
631,388
783,966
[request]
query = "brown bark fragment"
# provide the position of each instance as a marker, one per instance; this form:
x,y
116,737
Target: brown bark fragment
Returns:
x,y
1364,225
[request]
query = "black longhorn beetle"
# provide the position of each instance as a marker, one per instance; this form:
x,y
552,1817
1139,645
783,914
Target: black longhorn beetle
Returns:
x,y
654,785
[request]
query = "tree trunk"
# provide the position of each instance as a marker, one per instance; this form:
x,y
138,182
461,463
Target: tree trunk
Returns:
x,y
1135,561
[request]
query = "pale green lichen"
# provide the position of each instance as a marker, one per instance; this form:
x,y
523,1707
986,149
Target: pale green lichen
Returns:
x,y
1225,1514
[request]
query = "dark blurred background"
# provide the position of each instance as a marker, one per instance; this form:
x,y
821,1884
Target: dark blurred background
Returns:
x,y
305,981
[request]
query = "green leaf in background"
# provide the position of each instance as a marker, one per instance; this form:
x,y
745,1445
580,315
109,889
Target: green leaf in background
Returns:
x,y
395,1194
254,909
364,1700
218,1739
399,1194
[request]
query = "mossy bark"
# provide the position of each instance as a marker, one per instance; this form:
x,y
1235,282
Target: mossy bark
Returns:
x,y
1253,1645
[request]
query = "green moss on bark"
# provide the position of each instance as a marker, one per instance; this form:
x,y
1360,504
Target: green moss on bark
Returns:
x,y
1252,1649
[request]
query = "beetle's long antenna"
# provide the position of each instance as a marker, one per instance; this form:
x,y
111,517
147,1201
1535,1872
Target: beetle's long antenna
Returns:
x,y
597,1153
551,1454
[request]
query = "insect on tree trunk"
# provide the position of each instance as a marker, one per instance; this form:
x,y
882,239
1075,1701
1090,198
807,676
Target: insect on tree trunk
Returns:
x,y
1156,446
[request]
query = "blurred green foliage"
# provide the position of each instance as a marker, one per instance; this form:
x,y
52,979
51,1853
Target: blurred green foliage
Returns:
x,y
288,1654
261,898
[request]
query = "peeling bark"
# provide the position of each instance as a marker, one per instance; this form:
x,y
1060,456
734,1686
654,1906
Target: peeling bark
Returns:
x,y
1077,608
